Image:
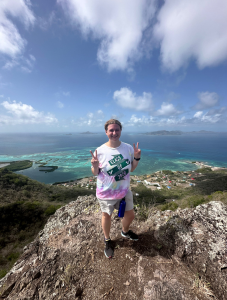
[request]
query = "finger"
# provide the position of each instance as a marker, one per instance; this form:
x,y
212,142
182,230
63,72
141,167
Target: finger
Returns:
x,y
96,155
92,154
137,145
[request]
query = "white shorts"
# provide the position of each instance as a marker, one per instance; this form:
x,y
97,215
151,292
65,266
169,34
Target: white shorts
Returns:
x,y
108,206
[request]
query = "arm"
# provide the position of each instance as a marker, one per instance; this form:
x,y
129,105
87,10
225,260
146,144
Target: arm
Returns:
x,y
134,165
94,171
137,154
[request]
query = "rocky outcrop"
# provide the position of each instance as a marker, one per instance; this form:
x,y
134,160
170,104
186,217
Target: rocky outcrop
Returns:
x,y
198,237
180,255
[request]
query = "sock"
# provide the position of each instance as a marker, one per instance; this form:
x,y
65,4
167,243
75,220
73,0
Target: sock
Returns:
x,y
125,232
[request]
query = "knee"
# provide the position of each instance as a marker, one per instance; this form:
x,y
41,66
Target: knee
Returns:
x,y
130,215
106,216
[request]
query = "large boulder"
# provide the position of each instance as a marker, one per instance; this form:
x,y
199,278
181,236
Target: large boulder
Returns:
x,y
198,237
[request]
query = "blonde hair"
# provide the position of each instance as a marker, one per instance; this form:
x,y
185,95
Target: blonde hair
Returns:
x,y
112,121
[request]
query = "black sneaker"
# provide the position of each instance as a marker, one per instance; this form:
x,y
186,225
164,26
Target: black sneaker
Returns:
x,y
109,251
130,235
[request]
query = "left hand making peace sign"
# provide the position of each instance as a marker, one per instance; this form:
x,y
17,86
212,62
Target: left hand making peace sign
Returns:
x,y
137,151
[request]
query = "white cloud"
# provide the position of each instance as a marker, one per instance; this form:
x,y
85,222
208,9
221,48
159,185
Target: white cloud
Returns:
x,y
19,113
60,104
221,111
206,118
45,23
198,119
139,121
192,29
198,114
12,44
167,109
26,64
119,25
206,100
127,99
95,119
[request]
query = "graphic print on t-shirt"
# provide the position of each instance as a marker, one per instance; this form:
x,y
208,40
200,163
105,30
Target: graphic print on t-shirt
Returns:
x,y
119,163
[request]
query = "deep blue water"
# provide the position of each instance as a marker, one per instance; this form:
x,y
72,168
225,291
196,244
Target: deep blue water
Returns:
x,y
71,152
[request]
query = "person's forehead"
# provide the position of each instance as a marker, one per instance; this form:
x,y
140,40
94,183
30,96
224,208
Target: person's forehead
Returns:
x,y
113,126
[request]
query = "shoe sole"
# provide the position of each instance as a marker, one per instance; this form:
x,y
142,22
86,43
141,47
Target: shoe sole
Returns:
x,y
127,237
109,256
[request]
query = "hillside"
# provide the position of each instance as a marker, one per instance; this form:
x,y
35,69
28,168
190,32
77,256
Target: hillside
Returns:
x,y
26,205
179,255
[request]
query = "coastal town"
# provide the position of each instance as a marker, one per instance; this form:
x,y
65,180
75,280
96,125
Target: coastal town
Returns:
x,y
155,181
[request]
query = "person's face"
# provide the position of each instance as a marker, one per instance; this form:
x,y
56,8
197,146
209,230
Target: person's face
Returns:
x,y
113,132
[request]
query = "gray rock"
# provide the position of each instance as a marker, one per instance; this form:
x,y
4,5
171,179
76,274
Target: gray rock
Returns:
x,y
179,256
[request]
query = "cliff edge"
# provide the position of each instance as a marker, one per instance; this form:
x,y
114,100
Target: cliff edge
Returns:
x,y
180,255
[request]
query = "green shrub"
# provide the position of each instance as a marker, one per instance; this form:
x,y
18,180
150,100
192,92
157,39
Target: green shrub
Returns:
x,y
167,172
3,260
203,170
3,273
27,193
142,213
51,209
13,256
195,201
169,206
32,205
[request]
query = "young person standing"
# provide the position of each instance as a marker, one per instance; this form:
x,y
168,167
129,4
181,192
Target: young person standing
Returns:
x,y
112,162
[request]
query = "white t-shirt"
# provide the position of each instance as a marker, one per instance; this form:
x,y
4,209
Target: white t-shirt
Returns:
x,y
113,180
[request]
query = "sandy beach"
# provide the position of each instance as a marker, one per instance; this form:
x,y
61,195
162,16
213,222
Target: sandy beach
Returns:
x,y
4,165
202,165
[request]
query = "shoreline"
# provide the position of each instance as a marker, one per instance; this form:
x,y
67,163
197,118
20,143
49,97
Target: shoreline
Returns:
x,y
199,164
203,165
85,181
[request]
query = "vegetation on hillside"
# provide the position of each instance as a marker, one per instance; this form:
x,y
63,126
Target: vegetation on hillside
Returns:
x,y
25,206
211,186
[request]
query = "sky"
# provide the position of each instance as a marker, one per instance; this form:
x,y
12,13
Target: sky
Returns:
x,y
71,65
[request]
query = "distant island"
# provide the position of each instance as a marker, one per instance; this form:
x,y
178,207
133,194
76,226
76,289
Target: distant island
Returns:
x,y
87,132
178,132
164,132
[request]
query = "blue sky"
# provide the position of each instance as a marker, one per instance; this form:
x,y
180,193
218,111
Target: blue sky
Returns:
x,y
70,65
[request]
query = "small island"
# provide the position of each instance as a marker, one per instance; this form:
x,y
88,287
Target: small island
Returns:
x,y
17,165
178,132
87,132
164,132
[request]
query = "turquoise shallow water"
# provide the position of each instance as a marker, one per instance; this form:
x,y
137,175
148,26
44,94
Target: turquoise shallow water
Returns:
x,y
71,152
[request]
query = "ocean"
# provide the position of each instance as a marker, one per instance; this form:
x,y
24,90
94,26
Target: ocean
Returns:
x,y
70,152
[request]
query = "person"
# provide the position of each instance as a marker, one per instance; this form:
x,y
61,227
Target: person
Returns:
x,y
112,163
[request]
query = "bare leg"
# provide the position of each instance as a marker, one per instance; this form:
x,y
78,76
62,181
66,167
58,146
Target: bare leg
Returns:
x,y
106,223
127,220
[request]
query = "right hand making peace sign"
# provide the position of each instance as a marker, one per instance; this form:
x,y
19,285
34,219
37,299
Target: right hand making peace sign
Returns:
x,y
94,160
